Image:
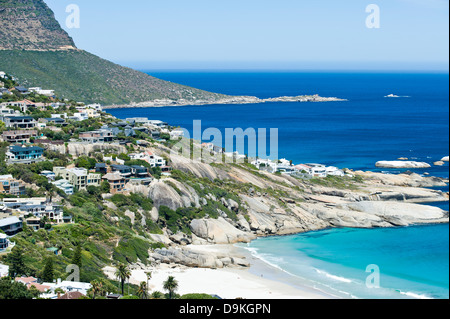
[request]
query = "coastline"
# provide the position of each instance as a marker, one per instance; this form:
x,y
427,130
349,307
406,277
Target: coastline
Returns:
x,y
230,100
260,281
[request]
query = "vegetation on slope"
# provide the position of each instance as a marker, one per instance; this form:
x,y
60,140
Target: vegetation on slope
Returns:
x,y
81,76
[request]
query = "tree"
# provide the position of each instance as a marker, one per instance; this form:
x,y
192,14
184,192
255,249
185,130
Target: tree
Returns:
x,y
143,290
10,289
17,265
157,295
97,288
171,285
149,276
48,272
123,273
105,187
76,259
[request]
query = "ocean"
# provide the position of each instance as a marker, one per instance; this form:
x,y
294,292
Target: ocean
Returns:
x,y
355,134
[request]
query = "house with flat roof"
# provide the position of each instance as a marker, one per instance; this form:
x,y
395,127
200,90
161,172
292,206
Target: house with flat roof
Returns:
x,y
4,243
11,186
99,136
24,155
124,170
53,120
20,122
21,89
65,186
80,178
18,136
11,225
39,207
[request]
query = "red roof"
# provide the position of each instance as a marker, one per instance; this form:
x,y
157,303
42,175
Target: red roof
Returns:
x,y
72,295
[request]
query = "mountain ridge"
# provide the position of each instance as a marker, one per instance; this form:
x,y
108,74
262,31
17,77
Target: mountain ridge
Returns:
x,y
38,52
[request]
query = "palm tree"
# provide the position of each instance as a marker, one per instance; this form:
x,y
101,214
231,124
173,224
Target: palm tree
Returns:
x,y
143,290
97,288
149,276
170,285
123,273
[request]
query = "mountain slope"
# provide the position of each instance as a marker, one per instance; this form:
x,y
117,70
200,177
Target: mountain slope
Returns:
x,y
81,76
38,52
30,25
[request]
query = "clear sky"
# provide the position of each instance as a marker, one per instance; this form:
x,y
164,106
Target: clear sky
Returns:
x,y
263,34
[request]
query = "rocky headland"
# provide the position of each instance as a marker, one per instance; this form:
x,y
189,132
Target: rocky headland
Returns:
x,y
269,204
225,100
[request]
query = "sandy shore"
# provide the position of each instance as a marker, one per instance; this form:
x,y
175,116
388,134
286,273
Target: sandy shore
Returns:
x,y
228,283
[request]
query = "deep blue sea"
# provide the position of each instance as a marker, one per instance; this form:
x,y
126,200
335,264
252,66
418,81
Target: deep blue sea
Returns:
x,y
355,134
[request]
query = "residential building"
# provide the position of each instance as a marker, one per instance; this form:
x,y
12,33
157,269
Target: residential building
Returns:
x,y
21,89
158,123
98,136
124,170
53,120
11,225
149,157
24,155
176,134
20,122
116,181
80,178
11,186
49,174
32,282
139,171
39,207
18,136
137,120
65,186
33,223
101,168
72,289
79,116
334,171
4,243
6,111
23,105
212,148
318,170
38,90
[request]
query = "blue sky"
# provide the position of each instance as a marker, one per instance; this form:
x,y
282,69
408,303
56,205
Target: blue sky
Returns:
x,y
262,34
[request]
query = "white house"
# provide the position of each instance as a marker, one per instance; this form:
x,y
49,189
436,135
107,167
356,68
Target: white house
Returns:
x,y
40,91
67,286
176,134
334,171
149,157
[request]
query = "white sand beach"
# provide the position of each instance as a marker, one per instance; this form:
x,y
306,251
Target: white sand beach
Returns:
x,y
227,283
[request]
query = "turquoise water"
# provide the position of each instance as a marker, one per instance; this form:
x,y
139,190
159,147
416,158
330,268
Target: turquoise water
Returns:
x,y
413,262
355,134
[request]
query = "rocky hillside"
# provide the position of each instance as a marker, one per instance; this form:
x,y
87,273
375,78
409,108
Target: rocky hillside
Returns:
x,y
38,52
30,25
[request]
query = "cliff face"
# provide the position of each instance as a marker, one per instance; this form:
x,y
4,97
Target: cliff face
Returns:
x,y
30,25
